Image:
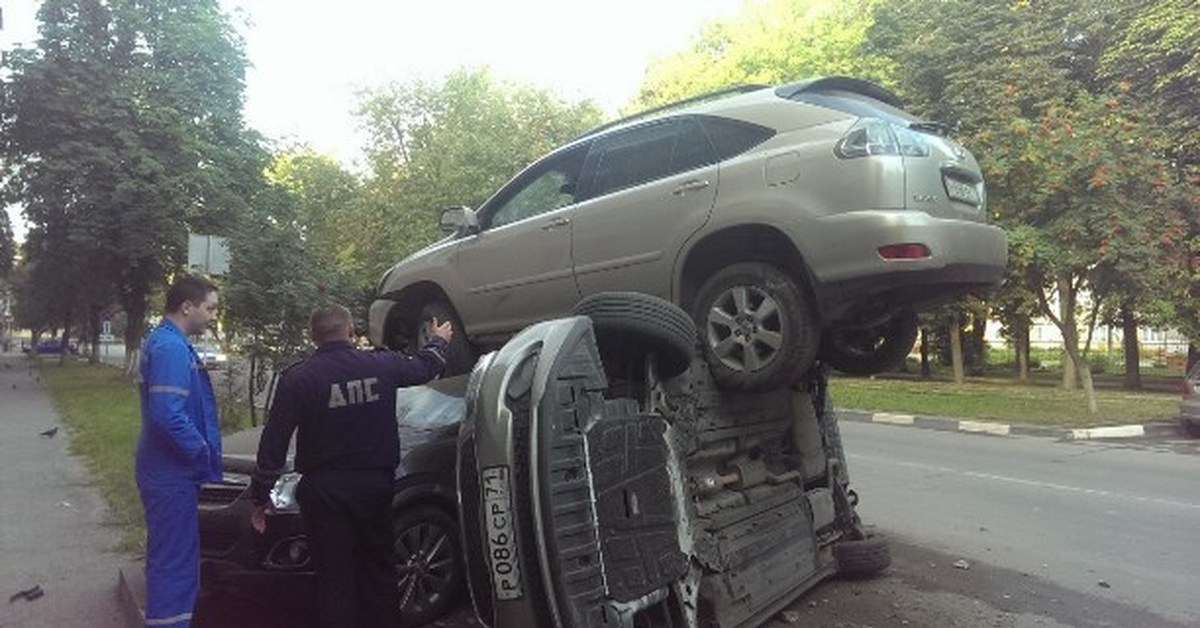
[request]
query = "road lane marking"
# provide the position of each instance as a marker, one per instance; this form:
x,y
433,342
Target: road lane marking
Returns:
x,y
1034,483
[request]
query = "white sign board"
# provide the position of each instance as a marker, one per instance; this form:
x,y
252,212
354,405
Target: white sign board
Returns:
x,y
208,254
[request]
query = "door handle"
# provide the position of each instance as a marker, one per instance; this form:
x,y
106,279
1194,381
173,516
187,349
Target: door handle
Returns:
x,y
556,223
690,186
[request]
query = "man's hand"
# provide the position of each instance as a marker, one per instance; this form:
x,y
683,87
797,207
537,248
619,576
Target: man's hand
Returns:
x,y
442,330
258,518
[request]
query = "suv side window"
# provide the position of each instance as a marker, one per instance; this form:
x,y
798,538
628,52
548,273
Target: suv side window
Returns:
x,y
551,185
731,138
647,153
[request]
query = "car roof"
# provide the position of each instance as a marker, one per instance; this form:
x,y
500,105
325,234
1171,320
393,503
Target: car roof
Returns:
x,y
738,95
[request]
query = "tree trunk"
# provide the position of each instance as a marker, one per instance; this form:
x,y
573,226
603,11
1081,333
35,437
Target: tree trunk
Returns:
x,y
1085,373
978,346
250,390
1021,341
93,334
956,350
1193,357
1066,315
1133,358
925,371
135,322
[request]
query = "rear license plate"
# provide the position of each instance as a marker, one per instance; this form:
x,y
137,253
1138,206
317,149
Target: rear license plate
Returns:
x,y
502,547
962,191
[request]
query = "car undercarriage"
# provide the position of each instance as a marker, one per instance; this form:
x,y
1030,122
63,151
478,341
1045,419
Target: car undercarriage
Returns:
x,y
595,493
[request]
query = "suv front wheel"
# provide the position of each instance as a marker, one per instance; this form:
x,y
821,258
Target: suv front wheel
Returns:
x,y
757,327
460,355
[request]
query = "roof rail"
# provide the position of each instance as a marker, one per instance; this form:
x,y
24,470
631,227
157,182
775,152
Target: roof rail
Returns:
x,y
735,89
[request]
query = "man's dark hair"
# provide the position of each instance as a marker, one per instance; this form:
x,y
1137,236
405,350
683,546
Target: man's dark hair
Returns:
x,y
328,323
188,288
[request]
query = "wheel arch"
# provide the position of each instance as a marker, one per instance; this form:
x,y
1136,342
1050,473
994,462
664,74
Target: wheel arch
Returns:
x,y
741,243
406,307
416,494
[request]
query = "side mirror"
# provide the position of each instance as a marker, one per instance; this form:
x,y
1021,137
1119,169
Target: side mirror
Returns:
x,y
459,220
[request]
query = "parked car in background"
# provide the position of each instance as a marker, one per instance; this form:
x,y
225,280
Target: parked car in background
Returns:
x,y
793,223
1189,412
428,556
210,353
53,346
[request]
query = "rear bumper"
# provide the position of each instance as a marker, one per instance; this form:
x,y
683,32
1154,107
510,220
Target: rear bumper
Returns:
x,y
965,257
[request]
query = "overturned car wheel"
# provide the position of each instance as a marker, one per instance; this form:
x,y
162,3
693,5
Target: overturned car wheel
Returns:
x,y
862,559
628,325
429,569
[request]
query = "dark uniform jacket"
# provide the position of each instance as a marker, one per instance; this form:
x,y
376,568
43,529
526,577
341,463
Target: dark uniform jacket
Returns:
x,y
343,403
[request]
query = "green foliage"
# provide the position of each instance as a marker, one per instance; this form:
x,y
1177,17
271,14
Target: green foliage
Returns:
x,y
122,130
448,143
769,42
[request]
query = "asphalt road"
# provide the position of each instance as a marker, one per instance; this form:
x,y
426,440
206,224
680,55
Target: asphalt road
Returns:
x,y
1119,521
1040,525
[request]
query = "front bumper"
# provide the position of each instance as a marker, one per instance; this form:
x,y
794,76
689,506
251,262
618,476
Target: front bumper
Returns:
x,y
233,556
377,320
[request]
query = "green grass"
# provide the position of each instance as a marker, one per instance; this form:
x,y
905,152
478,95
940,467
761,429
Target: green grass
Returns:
x,y
99,404
100,407
1002,400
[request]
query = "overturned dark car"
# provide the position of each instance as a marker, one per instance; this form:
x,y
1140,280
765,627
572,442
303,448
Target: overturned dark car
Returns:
x,y
605,480
426,550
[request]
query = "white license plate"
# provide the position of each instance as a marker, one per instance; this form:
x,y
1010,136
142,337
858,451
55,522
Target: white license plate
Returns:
x,y
961,191
502,547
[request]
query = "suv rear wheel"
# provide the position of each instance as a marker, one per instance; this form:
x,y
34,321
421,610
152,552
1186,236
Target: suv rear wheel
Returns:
x,y
757,327
871,350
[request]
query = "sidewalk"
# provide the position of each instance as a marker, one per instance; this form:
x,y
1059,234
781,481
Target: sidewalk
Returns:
x,y
53,523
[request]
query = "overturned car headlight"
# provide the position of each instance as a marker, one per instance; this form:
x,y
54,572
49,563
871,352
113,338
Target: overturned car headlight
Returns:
x,y
283,494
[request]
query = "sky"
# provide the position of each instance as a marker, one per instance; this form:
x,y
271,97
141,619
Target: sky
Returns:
x,y
310,59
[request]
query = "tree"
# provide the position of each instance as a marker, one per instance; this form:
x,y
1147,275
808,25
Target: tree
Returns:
x,y
1070,158
435,144
122,129
771,42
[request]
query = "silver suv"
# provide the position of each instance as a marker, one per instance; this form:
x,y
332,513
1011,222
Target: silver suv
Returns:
x,y
794,223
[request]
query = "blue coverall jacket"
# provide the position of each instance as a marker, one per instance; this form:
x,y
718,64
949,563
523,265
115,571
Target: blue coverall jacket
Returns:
x,y
178,449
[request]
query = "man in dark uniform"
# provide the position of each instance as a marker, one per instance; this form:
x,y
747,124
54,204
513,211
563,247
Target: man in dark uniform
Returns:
x,y
342,401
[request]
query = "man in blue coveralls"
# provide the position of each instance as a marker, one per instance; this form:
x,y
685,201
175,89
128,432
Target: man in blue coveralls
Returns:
x,y
179,448
342,404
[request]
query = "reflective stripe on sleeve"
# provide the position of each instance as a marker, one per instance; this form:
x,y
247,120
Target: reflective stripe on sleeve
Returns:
x,y
167,621
174,390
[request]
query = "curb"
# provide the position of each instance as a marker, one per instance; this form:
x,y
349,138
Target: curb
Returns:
x,y
131,591
947,424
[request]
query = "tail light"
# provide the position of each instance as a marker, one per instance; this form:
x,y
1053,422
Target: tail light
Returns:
x,y
909,250
872,136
